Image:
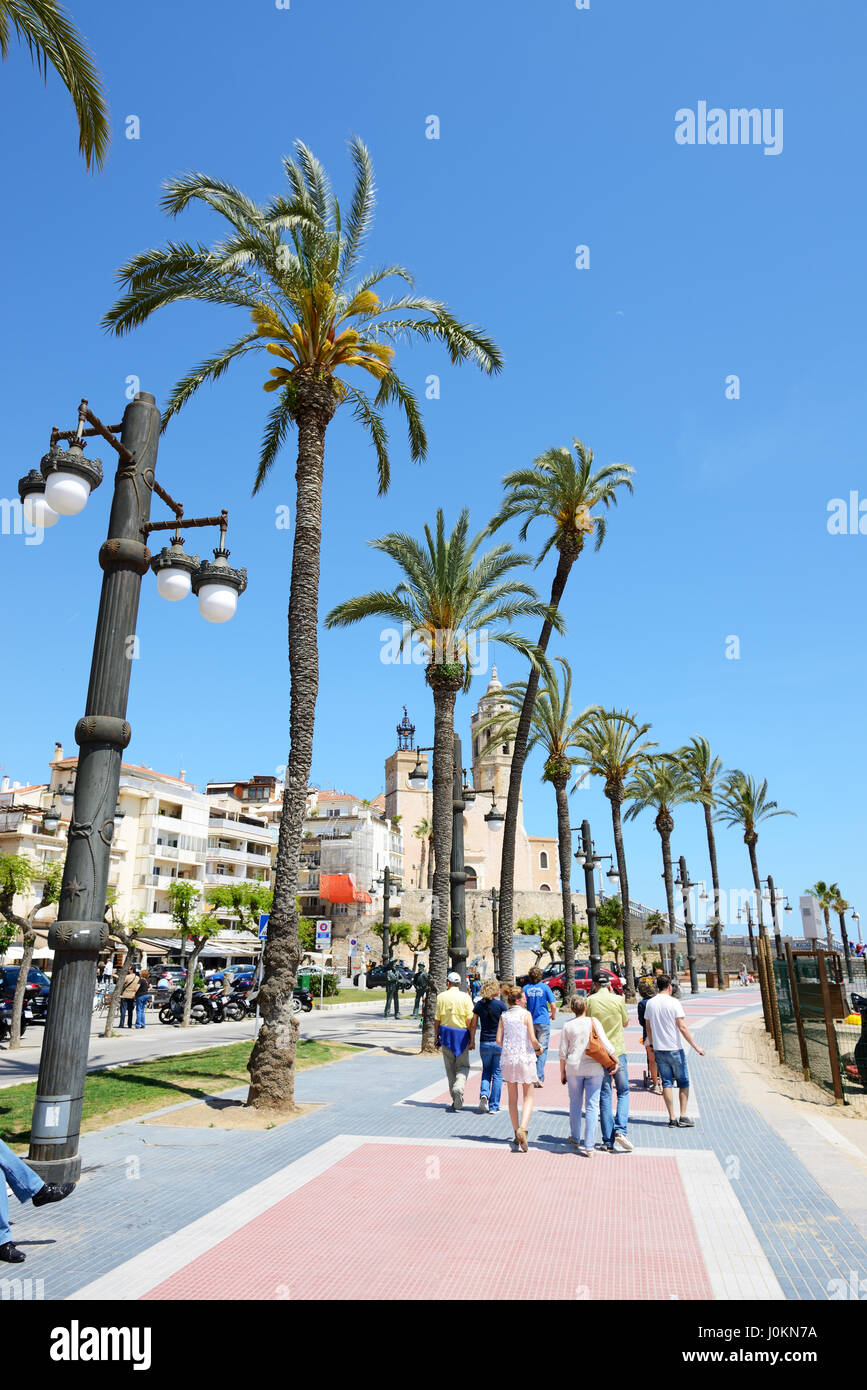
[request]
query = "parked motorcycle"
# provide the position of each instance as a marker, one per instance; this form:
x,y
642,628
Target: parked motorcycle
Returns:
x,y
173,1011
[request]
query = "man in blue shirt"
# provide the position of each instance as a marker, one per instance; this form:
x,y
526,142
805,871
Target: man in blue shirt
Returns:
x,y
540,1003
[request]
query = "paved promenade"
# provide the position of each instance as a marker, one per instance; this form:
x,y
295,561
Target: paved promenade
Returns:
x,y
378,1191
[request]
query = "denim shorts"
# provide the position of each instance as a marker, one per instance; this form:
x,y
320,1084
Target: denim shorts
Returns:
x,y
673,1069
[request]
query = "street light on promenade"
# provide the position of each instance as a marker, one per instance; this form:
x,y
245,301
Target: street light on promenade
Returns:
x,y
589,860
384,881
462,796
494,899
63,484
683,883
773,898
753,961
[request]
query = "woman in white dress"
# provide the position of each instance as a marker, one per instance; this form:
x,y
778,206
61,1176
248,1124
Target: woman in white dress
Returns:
x,y
517,1037
582,1074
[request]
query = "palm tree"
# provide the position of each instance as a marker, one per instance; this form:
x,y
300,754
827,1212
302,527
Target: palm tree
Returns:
x,y
705,770
826,895
660,784
562,490
744,802
311,311
46,29
841,907
613,747
448,593
424,832
558,732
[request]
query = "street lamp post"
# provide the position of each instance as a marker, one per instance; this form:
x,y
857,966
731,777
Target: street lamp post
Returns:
x,y
684,884
753,961
772,898
494,901
62,487
588,861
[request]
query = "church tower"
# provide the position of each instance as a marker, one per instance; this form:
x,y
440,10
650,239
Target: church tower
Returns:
x,y
399,798
492,759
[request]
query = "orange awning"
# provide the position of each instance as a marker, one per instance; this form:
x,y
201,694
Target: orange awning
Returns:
x,y
337,888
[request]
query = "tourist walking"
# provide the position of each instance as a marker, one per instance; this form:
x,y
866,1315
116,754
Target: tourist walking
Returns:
x,y
647,993
455,1029
517,1037
744,975
421,980
128,992
585,1055
27,1188
666,1029
142,995
610,1012
489,1009
542,1009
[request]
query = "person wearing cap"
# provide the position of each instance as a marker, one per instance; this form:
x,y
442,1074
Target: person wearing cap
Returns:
x,y
455,1031
611,1013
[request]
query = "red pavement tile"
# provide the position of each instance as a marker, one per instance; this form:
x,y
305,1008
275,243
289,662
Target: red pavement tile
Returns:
x,y
329,1241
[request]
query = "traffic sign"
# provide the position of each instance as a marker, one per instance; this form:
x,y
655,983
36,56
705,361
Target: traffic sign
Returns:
x,y
323,933
353,945
264,918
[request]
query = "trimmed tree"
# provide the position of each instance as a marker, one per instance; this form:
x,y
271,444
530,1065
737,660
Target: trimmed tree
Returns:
x,y
17,873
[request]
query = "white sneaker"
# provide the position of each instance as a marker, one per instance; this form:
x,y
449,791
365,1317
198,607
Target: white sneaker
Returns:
x,y
624,1143
483,1105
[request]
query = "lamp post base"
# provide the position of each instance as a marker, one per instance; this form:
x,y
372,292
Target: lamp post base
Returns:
x,y
59,1170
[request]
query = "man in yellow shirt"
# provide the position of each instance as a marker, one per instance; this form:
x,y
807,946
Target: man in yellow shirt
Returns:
x,y
610,1009
455,1032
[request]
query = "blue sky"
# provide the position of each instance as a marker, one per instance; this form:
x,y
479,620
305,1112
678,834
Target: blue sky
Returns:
x,y
557,129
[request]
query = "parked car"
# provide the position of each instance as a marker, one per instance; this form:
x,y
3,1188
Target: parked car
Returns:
x,y
36,991
583,982
376,976
555,968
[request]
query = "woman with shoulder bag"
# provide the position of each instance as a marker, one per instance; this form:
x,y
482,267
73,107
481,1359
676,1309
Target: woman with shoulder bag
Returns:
x,y
585,1056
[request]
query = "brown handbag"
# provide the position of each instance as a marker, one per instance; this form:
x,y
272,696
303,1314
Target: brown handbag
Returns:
x,y
598,1052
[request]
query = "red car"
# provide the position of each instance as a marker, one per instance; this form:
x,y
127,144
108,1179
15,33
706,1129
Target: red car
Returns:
x,y
583,982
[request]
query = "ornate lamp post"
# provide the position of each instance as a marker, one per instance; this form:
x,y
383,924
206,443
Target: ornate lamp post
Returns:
x,y
588,860
753,962
384,881
63,485
494,899
683,883
773,899
462,796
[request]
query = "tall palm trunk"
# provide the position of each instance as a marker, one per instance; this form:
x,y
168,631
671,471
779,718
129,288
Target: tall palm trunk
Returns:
x,y
615,797
665,825
430,861
829,938
516,771
421,867
757,883
564,844
272,1062
445,690
714,874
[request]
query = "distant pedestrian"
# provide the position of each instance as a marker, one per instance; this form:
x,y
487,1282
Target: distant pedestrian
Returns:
x,y
609,1010
647,993
455,1027
542,1008
27,1188
744,975
517,1037
583,1073
143,994
489,1009
475,985
128,992
666,1028
420,980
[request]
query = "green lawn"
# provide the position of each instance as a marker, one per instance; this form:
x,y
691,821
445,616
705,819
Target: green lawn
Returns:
x,y
124,1092
352,996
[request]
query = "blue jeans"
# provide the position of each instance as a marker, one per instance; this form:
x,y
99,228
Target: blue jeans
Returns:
x,y
542,1031
672,1069
21,1179
492,1081
140,1011
126,1007
583,1090
617,1125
